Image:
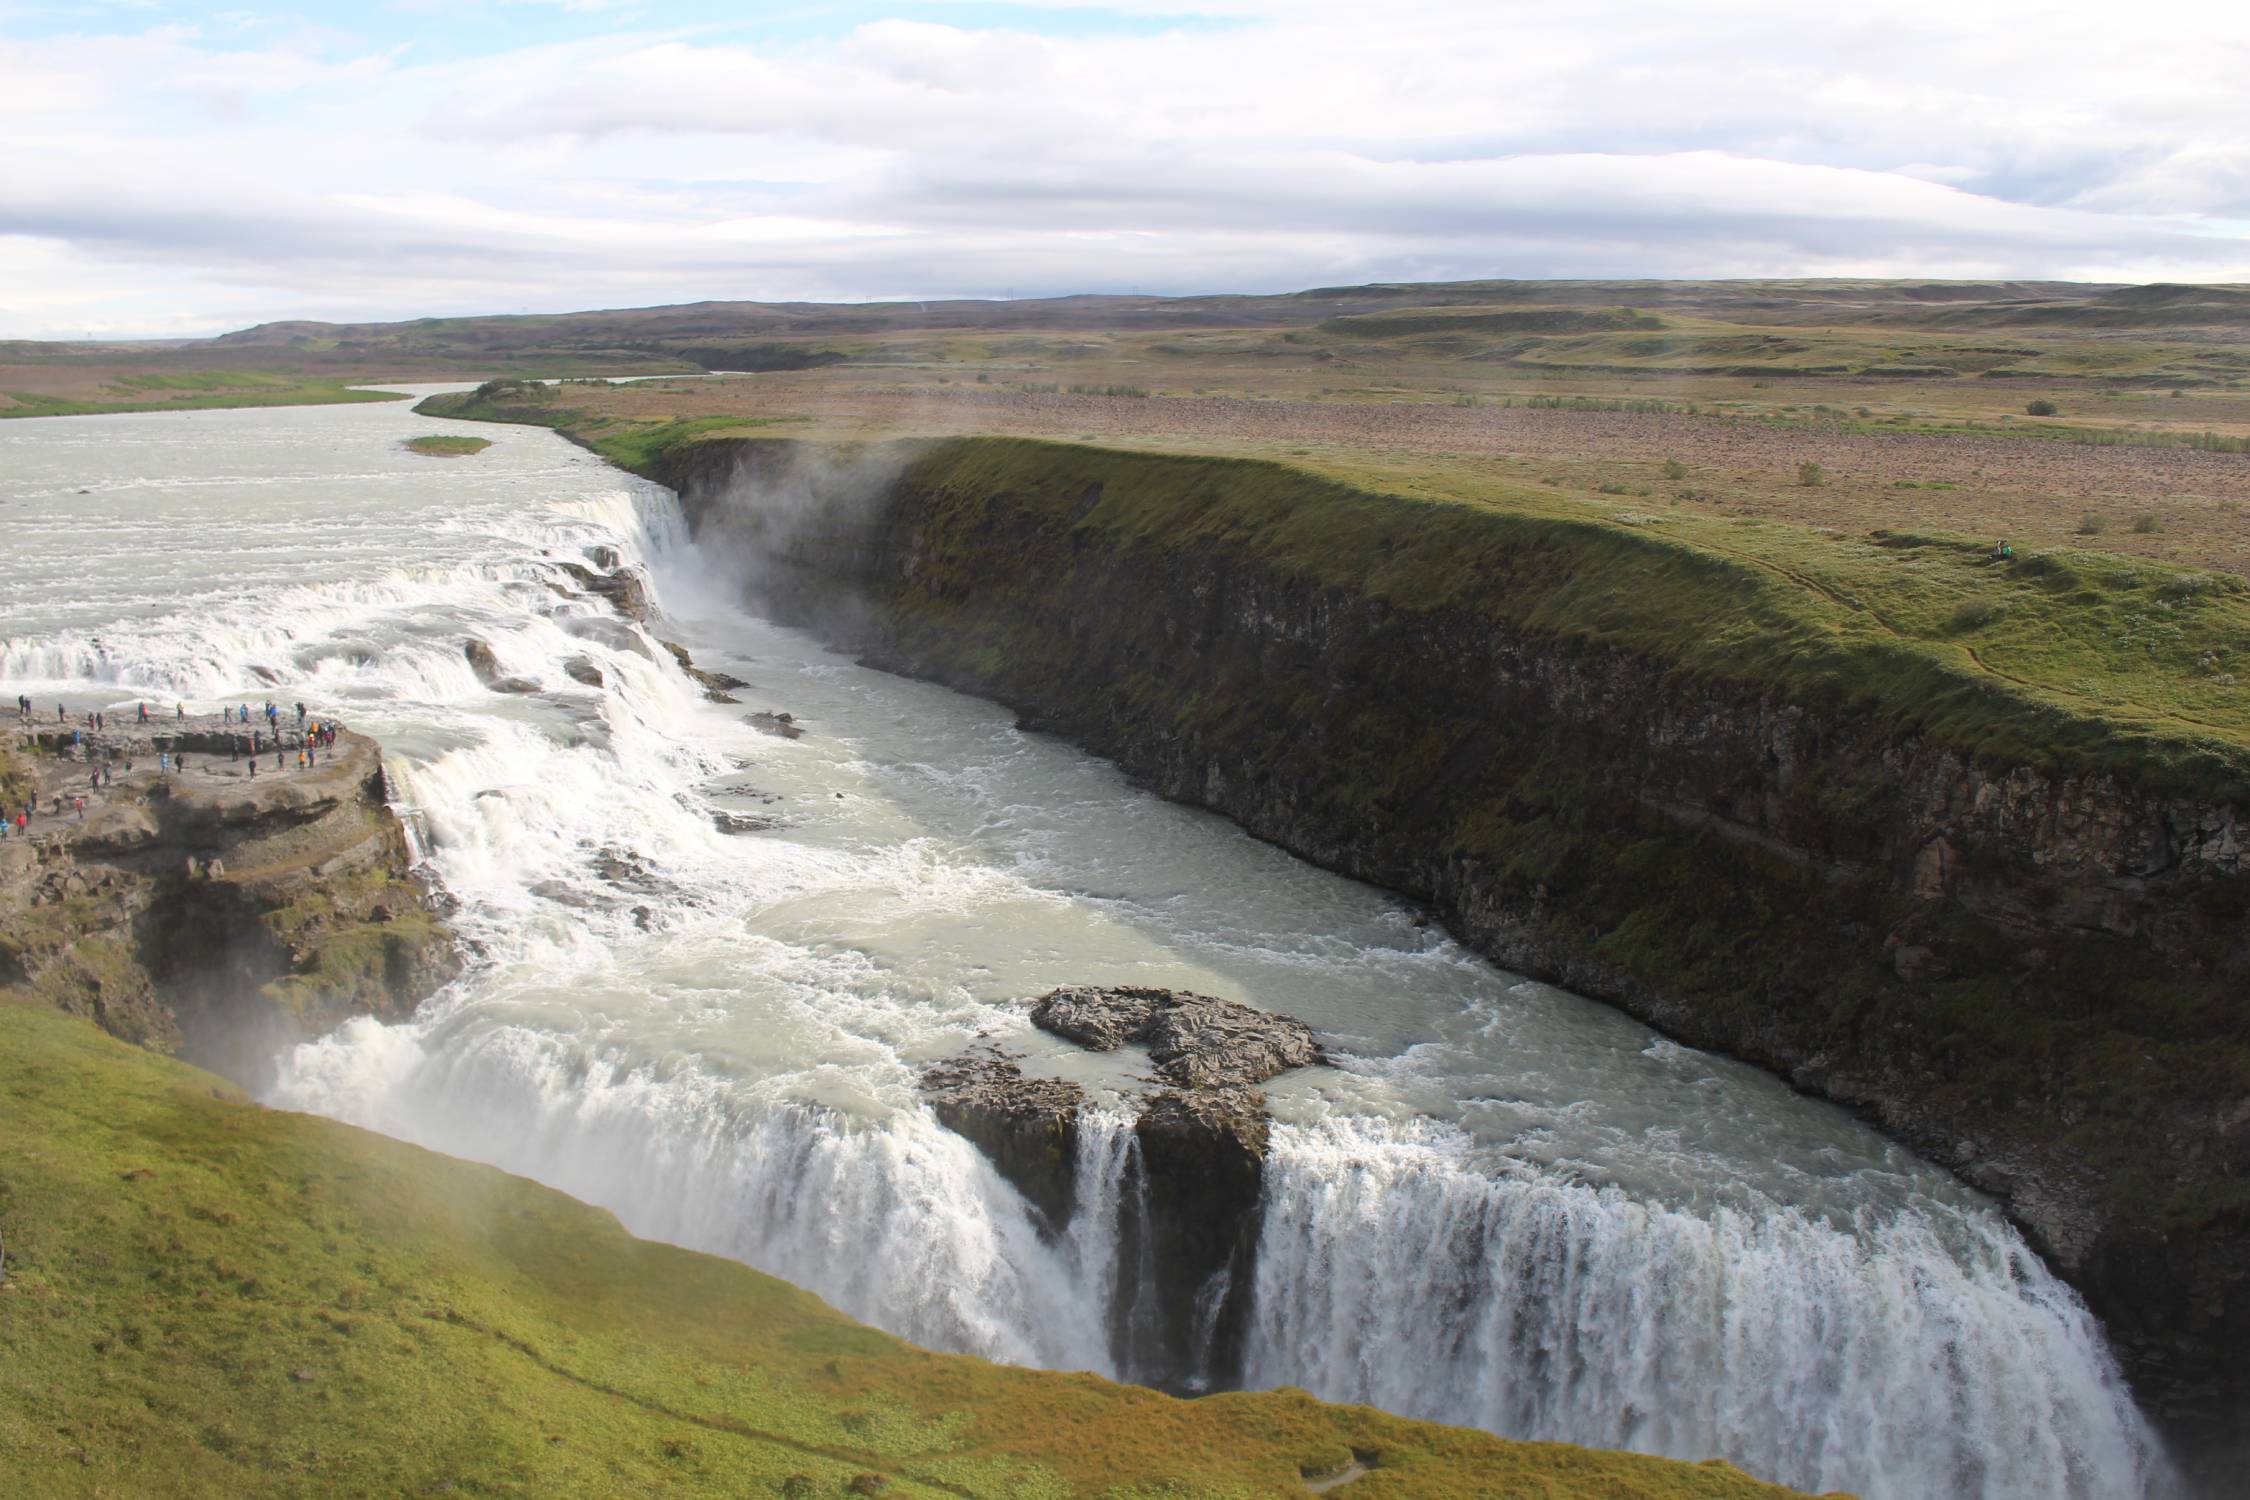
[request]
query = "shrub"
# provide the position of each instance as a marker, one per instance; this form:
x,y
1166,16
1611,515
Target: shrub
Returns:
x,y
1811,475
2039,408
1978,613
2091,524
2148,523
1674,469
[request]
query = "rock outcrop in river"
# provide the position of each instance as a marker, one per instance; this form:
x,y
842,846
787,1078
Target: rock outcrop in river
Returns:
x,y
2028,966
1187,1235
206,911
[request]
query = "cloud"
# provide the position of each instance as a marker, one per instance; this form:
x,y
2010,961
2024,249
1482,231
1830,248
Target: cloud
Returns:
x,y
196,177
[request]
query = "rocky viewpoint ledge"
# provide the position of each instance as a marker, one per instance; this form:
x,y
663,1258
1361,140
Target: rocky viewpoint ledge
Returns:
x,y
193,906
1189,1217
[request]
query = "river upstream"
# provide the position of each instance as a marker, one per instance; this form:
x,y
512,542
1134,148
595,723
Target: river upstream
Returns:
x,y
1506,1206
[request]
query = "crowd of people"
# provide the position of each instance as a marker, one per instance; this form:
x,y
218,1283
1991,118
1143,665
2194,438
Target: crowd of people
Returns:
x,y
267,730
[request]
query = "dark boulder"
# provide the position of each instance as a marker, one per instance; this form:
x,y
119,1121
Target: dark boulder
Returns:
x,y
625,589
582,669
1027,1127
1193,1226
1195,1041
487,667
717,686
1188,1203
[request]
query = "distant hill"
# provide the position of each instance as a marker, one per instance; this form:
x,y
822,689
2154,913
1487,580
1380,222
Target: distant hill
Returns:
x,y
747,336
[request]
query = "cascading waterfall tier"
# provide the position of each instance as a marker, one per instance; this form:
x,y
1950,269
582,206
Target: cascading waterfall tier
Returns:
x,y
1926,1353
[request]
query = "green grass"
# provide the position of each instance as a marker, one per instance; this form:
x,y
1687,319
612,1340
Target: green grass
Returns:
x,y
207,1298
629,444
195,391
447,445
2093,661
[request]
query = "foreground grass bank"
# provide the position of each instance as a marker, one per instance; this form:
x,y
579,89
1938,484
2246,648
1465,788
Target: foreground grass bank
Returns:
x,y
204,1297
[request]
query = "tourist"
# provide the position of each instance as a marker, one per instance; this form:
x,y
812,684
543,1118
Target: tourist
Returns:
x,y
143,711
179,710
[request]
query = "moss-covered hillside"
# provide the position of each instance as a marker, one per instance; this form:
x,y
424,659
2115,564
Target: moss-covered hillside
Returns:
x,y
204,1297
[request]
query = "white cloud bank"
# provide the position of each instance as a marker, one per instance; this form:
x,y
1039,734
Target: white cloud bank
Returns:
x,y
188,178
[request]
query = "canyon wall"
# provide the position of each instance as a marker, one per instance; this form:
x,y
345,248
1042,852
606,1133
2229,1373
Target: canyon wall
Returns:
x,y
2027,965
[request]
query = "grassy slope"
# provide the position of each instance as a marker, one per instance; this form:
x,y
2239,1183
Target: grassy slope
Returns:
x,y
208,1298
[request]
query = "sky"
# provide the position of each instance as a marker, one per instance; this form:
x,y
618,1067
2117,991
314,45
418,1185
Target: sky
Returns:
x,y
171,169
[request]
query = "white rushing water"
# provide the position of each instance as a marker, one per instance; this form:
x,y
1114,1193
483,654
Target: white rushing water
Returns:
x,y
1507,1206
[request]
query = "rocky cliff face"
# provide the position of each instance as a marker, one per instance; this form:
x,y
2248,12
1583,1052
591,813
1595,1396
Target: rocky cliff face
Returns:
x,y
208,912
1192,1187
2031,974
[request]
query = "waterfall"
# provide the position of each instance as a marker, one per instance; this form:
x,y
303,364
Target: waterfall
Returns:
x,y
1927,1354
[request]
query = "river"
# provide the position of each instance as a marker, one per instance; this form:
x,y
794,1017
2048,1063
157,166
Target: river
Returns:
x,y
1505,1206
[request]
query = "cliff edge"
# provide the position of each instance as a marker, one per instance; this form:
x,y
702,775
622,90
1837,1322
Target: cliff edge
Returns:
x,y
183,901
